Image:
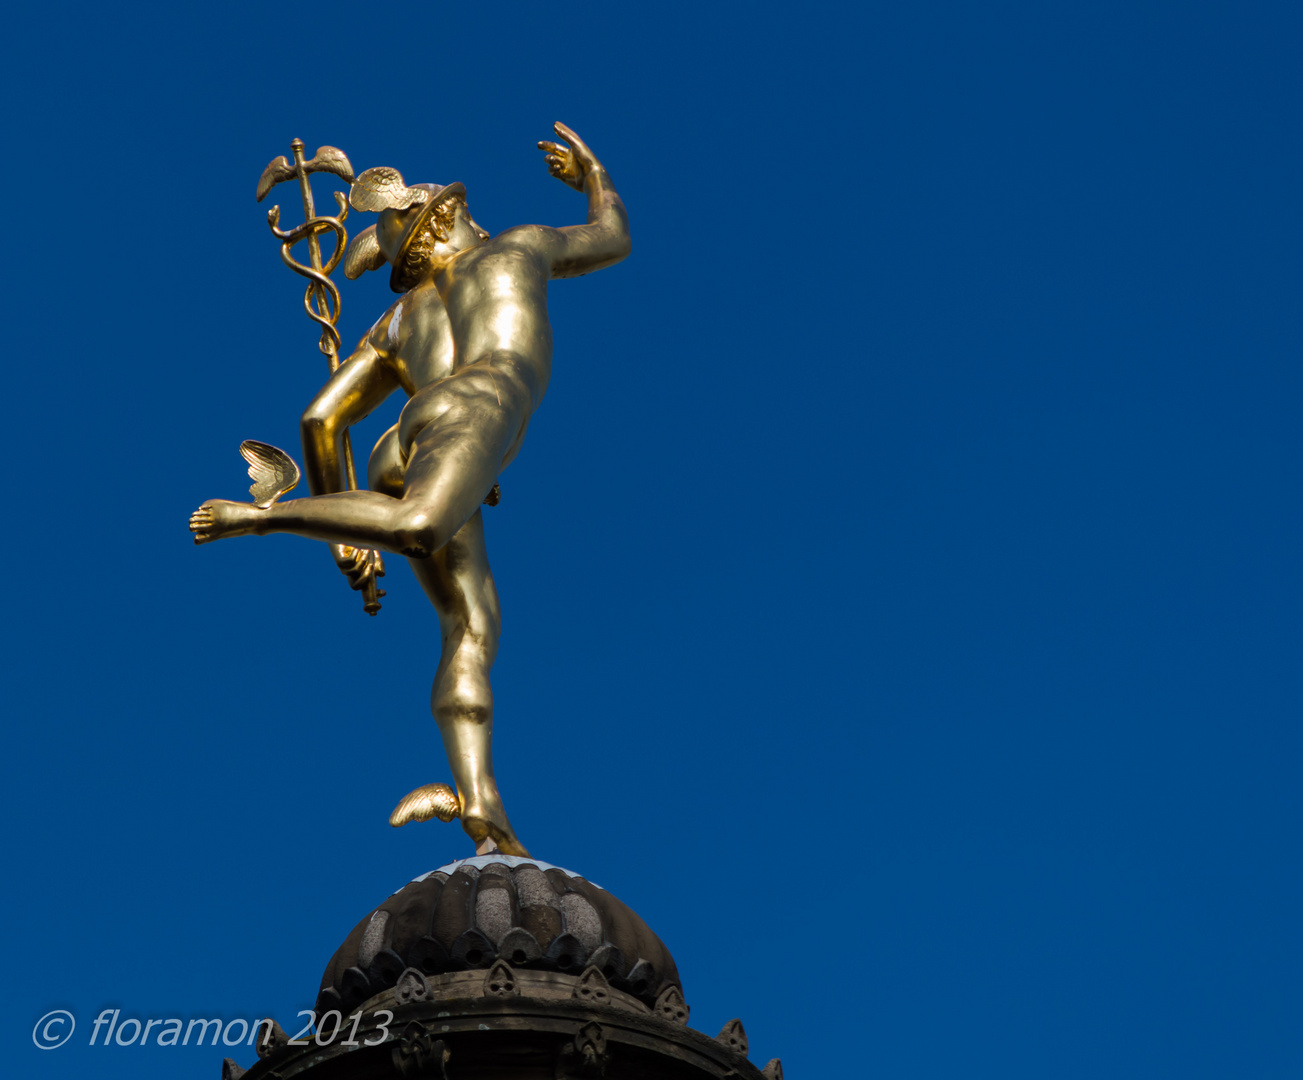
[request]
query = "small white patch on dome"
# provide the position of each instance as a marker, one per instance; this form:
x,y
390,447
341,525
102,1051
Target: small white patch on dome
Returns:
x,y
479,862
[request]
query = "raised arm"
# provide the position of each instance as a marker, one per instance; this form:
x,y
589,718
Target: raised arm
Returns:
x,y
604,240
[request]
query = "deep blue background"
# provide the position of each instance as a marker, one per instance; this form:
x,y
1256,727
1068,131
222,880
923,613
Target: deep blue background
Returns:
x,y
901,582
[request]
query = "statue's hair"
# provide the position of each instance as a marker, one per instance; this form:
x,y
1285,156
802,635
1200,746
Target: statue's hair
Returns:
x,y
437,227
444,215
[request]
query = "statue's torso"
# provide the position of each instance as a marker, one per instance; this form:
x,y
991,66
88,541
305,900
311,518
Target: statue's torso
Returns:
x,y
490,302
496,299
417,339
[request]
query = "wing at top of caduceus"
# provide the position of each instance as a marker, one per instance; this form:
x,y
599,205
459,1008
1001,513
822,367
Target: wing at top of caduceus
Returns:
x,y
272,471
329,159
277,170
332,160
382,188
363,254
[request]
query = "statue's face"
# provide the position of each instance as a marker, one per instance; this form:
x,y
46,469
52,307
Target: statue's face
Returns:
x,y
481,233
465,232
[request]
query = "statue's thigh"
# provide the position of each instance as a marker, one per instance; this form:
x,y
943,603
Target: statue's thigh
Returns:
x,y
384,471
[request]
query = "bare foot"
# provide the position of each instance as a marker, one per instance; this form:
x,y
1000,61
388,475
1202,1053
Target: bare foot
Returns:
x,y
485,822
218,519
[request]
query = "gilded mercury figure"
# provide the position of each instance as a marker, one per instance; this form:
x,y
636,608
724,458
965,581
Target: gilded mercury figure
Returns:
x,y
470,344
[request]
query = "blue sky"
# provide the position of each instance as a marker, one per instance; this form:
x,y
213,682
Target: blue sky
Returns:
x,y
900,582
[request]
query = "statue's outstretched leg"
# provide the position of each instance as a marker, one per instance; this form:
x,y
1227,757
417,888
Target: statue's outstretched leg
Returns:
x,y
459,583
470,424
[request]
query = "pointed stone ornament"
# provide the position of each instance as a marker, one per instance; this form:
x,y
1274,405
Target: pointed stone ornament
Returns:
x,y
592,987
417,1053
412,986
501,981
271,1037
230,1070
473,949
642,978
428,955
734,1037
567,952
329,998
671,1006
590,1049
774,1070
610,960
355,986
519,946
385,967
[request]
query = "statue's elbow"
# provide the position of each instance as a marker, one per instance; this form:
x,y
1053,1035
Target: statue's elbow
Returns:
x,y
316,426
616,249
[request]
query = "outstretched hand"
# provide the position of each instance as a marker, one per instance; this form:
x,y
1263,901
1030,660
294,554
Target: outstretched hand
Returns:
x,y
572,163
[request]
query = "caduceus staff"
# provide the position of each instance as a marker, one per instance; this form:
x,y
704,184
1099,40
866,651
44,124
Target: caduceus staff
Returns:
x,y
320,300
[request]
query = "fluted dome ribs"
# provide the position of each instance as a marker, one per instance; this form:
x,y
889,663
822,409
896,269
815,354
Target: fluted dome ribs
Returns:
x,y
525,915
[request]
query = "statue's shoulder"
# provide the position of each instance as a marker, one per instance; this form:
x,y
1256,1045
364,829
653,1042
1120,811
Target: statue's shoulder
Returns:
x,y
523,237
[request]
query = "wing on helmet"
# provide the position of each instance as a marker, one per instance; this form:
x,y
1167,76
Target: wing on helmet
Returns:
x,y
383,188
363,254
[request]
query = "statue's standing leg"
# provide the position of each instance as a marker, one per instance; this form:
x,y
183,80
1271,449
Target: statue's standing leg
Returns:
x,y
459,583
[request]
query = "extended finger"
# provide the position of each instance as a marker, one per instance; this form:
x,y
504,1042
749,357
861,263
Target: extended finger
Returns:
x,y
569,136
550,147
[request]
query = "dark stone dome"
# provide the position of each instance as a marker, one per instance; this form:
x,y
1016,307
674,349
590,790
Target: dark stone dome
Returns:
x,y
470,913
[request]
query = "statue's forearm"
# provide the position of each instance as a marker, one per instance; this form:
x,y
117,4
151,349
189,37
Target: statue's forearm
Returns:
x,y
605,208
604,240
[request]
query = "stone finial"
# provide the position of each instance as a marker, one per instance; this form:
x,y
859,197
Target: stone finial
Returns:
x,y
734,1037
671,1006
592,987
501,981
271,1037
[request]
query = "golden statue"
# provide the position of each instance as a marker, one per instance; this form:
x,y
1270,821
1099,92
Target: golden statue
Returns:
x,y
469,343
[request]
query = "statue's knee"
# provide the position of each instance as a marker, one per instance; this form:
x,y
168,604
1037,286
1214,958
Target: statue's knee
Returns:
x,y
456,710
417,533
462,696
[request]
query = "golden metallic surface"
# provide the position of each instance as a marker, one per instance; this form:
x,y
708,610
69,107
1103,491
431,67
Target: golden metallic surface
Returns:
x,y
321,301
426,802
383,188
326,159
272,471
469,343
